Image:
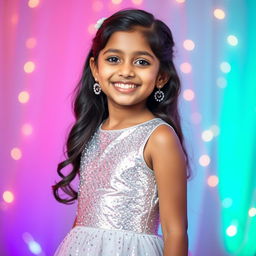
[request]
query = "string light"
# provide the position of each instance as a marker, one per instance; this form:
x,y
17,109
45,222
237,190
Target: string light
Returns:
x,y
232,40
186,67
188,94
213,181
137,2
231,230
23,97
16,153
207,135
116,1
204,160
219,14
29,66
8,196
189,45
225,67
33,3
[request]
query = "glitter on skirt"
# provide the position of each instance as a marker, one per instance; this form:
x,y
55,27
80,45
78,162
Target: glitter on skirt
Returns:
x,y
118,204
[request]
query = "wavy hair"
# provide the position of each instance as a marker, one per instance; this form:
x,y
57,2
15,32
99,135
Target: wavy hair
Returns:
x,y
90,109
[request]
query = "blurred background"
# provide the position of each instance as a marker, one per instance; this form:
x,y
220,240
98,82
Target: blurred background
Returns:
x,y
43,46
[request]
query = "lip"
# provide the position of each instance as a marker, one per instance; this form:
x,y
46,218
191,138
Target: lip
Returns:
x,y
124,90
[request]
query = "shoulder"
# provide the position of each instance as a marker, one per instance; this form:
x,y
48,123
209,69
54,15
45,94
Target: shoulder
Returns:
x,y
164,135
164,142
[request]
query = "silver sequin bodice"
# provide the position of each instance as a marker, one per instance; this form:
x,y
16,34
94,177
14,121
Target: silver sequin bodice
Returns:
x,y
117,189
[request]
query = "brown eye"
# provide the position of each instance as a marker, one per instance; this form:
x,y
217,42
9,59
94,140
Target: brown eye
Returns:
x,y
142,62
112,59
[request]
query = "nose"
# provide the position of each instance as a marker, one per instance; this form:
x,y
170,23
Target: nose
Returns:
x,y
126,70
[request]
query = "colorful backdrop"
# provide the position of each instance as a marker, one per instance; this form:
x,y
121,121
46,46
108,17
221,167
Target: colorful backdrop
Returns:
x,y
43,46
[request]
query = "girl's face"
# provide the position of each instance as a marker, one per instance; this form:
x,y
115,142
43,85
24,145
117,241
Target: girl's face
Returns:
x,y
127,69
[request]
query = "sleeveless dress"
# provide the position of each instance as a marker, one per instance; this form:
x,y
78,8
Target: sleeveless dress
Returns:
x,y
118,204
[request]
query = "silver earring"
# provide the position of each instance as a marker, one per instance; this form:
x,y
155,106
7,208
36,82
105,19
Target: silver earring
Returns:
x,y
159,95
96,88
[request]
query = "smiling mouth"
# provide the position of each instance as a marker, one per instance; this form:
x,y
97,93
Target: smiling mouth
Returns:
x,y
125,85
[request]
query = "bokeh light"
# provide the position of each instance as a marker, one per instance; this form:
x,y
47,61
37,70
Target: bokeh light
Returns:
x,y
227,202
14,19
31,42
188,94
185,67
29,66
189,45
8,196
221,82
116,1
23,97
180,1
92,29
232,40
204,160
252,212
219,14
225,67
97,6
213,181
27,129
137,2
33,3
215,130
16,153
207,135
231,230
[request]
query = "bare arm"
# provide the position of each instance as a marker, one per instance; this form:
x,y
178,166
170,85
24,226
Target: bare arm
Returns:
x,y
170,170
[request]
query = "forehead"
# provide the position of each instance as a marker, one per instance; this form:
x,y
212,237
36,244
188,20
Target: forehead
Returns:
x,y
128,42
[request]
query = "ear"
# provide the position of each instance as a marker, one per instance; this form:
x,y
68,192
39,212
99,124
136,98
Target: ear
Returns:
x,y
94,68
161,80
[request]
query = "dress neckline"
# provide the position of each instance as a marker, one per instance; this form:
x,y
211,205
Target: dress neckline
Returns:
x,y
116,130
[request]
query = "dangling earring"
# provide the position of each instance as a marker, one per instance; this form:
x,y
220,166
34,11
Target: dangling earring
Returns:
x,y
96,88
159,95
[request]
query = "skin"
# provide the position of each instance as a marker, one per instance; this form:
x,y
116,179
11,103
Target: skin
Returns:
x,y
122,60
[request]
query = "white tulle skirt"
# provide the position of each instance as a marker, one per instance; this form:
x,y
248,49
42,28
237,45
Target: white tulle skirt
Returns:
x,y
88,241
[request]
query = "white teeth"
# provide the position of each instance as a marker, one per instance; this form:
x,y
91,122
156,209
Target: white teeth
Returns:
x,y
125,86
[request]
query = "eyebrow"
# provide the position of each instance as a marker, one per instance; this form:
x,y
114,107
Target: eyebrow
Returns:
x,y
135,53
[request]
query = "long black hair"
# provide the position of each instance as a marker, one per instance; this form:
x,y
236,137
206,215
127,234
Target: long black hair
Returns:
x,y
91,109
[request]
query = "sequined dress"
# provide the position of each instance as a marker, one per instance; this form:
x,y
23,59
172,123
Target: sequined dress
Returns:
x,y
118,210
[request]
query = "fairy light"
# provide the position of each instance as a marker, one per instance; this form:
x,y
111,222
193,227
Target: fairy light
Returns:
x,y
16,153
29,66
186,67
31,42
213,181
207,135
189,45
231,230
23,97
188,95
204,160
8,196
252,212
219,14
232,40
137,2
33,246
225,67
215,130
221,82
97,6
33,3
116,1
27,129
227,202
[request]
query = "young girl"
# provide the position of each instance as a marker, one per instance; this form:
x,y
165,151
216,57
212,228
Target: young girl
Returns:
x,y
127,145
